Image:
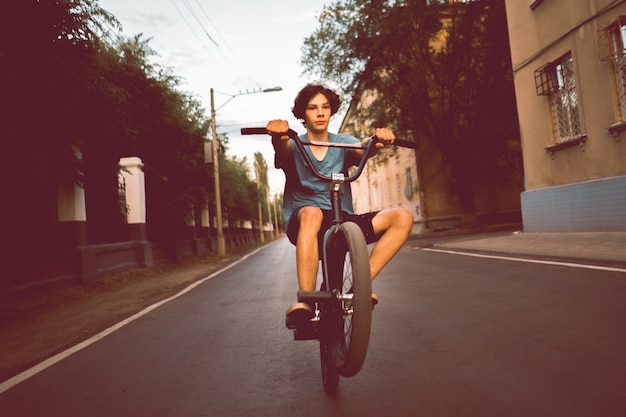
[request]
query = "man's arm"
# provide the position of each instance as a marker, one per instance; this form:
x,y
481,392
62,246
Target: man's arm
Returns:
x,y
280,141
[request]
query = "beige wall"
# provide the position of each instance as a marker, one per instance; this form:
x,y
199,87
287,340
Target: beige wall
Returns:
x,y
541,36
383,184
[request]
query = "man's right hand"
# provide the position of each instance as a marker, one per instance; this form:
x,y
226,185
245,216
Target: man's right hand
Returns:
x,y
278,128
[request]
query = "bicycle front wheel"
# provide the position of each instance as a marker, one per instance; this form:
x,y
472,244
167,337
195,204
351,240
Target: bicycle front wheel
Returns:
x,y
350,319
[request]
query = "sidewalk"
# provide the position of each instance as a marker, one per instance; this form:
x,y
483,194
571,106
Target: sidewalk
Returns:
x,y
596,248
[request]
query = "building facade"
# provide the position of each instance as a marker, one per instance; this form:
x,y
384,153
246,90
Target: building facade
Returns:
x,y
419,181
389,179
569,66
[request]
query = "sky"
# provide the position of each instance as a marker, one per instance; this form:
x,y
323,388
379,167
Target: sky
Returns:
x,y
234,47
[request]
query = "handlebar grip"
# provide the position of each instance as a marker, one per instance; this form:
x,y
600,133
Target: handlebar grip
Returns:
x,y
263,131
253,131
401,142
405,143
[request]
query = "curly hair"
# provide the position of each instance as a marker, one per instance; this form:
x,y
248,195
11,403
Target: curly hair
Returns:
x,y
308,92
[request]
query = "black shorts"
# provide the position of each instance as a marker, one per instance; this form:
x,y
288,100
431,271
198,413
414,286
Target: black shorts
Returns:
x,y
364,221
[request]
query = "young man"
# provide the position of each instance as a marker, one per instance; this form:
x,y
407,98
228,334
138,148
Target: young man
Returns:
x,y
306,198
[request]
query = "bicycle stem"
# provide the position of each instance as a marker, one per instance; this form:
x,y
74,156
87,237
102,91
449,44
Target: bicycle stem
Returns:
x,y
335,196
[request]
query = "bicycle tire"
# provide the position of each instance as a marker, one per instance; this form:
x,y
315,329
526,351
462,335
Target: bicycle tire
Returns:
x,y
349,321
330,373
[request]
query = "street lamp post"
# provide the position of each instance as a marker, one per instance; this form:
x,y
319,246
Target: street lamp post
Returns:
x,y
221,245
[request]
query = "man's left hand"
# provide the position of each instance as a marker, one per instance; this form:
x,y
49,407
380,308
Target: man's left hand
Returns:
x,y
385,137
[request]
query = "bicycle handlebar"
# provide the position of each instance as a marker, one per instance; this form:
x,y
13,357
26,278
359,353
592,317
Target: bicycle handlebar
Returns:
x,y
254,131
293,134
301,143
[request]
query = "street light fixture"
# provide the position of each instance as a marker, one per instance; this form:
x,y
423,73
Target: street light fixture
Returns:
x,y
221,245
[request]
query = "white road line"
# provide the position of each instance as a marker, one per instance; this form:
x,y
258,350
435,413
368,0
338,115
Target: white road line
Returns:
x,y
11,382
532,261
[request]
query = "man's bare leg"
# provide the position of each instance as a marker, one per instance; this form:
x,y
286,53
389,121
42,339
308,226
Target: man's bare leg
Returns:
x,y
395,226
307,263
307,257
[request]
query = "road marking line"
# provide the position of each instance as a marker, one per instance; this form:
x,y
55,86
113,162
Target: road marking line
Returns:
x,y
532,261
11,382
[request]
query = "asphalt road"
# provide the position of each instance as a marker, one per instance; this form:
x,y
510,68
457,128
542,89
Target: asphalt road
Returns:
x,y
452,336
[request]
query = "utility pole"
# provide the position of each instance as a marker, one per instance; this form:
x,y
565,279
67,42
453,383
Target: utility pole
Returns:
x,y
221,245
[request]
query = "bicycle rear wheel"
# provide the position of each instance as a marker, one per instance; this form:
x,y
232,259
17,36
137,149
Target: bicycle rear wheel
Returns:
x,y
350,320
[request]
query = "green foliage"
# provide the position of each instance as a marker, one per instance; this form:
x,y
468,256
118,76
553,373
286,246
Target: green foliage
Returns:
x,y
46,76
260,167
78,102
441,71
239,192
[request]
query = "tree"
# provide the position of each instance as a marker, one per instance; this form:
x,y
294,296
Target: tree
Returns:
x,y
47,50
239,196
45,75
262,183
441,72
77,104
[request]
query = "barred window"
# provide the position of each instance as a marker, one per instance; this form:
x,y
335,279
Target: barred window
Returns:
x,y
612,44
556,80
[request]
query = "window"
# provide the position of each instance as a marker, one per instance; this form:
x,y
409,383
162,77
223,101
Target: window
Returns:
x,y
408,184
556,81
611,45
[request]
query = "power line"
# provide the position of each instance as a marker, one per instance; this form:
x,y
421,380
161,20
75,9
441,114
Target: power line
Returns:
x,y
195,16
225,43
196,35
235,67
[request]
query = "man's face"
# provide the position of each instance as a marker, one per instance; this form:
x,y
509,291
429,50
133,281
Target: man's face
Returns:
x,y
317,114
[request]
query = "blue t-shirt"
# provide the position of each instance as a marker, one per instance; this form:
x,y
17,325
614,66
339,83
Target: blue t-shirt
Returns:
x,y
303,188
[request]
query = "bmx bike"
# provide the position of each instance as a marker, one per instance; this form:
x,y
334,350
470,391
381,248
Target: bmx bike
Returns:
x,y
343,305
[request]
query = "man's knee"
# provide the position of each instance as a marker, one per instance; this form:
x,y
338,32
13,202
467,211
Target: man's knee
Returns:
x,y
398,218
310,218
404,219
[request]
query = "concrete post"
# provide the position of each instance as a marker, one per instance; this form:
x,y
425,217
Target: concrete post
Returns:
x,y
131,171
72,213
134,179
